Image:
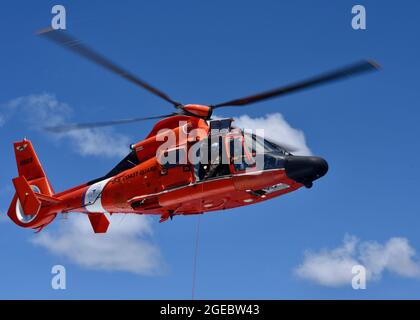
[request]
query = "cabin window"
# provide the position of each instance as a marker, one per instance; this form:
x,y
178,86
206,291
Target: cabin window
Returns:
x,y
173,157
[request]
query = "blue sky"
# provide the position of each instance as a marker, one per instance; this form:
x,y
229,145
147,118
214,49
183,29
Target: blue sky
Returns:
x,y
366,127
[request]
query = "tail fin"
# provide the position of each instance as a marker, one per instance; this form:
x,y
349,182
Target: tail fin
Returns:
x,y
28,166
31,204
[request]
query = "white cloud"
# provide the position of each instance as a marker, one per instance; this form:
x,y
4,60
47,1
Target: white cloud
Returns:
x,y
396,255
330,268
46,110
127,246
100,142
333,268
276,129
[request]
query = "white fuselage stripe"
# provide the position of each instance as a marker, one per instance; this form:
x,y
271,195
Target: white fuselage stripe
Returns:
x,y
93,197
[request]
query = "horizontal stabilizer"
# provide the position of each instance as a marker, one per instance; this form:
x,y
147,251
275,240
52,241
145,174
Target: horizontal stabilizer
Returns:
x,y
28,200
45,200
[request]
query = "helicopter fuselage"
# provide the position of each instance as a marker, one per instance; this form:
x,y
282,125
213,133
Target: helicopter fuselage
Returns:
x,y
142,183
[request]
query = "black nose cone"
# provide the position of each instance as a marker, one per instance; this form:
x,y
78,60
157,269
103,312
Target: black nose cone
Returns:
x,y
305,169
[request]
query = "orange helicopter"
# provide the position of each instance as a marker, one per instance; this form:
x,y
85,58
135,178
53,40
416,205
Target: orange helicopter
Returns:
x,y
159,176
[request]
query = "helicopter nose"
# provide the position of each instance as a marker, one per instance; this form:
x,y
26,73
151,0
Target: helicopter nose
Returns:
x,y
305,169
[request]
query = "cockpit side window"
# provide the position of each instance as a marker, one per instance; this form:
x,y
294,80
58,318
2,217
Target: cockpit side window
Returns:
x,y
174,157
240,157
274,155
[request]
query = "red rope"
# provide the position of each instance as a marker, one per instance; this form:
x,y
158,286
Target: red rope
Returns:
x,y
197,238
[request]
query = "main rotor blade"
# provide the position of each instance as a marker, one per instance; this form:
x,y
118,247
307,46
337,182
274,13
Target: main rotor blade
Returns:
x,y
345,72
75,45
78,126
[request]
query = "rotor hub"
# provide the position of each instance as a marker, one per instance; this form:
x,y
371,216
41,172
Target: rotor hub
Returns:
x,y
197,110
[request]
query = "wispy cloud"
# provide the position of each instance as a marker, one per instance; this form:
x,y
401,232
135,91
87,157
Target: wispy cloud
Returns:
x,y
333,268
277,129
46,109
127,246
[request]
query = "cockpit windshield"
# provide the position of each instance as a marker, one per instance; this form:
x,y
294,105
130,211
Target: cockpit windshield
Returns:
x,y
256,144
274,155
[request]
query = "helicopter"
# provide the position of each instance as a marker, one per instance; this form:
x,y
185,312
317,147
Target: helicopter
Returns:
x,y
145,182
